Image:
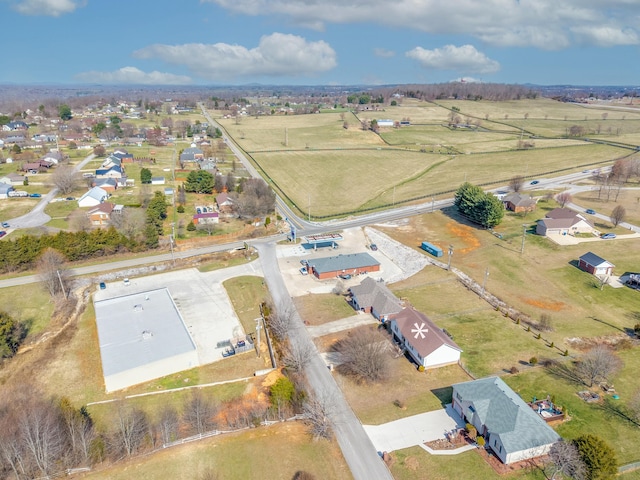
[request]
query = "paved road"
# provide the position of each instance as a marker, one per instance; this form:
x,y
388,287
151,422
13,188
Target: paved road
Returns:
x,y
37,217
356,446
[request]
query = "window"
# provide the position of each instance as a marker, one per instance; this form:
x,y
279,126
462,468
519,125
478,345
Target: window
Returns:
x,y
458,396
473,410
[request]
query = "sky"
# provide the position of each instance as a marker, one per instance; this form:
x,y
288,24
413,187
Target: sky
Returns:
x,y
320,42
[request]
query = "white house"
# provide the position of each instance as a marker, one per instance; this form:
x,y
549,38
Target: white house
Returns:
x,y
510,427
93,197
385,122
5,188
564,221
427,344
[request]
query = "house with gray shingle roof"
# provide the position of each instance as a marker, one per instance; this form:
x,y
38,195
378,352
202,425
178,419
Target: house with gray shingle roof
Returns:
x,y
427,344
93,197
374,297
564,221
510,427
519,202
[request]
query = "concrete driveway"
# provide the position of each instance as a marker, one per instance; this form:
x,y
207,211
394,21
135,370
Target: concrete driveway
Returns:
x,y
414,430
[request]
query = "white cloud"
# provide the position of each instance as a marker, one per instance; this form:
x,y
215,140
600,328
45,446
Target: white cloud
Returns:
x,y
383,52
546,24
276,55
51,8
133,76
464,59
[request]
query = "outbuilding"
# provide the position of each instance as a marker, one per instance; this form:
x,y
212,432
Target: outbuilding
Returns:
x,y
352,264
595,265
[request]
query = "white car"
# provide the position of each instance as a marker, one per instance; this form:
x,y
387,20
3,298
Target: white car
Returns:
x,y
126,282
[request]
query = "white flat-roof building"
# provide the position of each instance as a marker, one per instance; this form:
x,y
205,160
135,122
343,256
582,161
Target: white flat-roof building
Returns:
x,y
142,337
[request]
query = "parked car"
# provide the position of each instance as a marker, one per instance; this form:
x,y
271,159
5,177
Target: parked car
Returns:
x,y
607,236
373,247
304,271
126,282
345,276
241,343
304,262
5,224
2,233
103,285
35,195
70,198
590,211
228,352
535,182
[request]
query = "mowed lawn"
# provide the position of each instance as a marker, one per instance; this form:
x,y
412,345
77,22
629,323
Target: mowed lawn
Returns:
x,y
275,452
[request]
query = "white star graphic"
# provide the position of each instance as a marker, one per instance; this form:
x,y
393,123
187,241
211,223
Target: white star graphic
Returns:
x,y
419,330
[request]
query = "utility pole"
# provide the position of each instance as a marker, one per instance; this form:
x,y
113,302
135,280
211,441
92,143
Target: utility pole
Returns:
x,y
450,255
309,196
484,283
61,284
258,328
524,232
433,202
171,237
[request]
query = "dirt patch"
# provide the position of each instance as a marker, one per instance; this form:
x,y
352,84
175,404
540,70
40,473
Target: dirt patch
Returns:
x,y
412,463
553,306
616,342
466,234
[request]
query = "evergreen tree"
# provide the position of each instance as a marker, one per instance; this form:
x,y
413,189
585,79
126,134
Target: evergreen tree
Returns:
x,y
598,456
199,181
145,175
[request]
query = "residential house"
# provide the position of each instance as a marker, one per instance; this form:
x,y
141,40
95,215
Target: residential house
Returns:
x,y
385,122
1,143
595,265
224,202
157,180
564,221
510,427
111,161
107,184
205,218
15,125
5,188
519,202
31,167
112,172
100,214
13,178
427,344
123,155
191,154
93,197
372,296
53,157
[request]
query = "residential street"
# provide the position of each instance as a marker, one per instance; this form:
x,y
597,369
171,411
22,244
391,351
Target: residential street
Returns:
x,y
359,452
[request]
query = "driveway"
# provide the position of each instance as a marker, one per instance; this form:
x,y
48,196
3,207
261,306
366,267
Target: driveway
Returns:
x,y
414,430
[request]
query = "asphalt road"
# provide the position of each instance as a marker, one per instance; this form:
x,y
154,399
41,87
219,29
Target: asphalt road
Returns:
x,y
357,448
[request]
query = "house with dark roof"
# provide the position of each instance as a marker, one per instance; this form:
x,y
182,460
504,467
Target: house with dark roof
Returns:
x,y
110,161
427,344
224,202
564,221
374,297
13,178
191,154
595,265
353,264
510,427
519,202
107,184
100,214
114,171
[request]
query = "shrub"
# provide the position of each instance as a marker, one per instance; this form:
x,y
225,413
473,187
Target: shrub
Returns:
x,y
191,227
533,360
471,431
180,209
538,336
514,370
517,321
528,328
566,353
421,368
400,404
480,441
551,345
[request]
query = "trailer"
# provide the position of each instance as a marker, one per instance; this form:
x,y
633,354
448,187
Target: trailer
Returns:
x,y
432,249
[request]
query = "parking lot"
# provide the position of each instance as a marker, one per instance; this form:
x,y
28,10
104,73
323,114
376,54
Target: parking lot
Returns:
x,y
201,299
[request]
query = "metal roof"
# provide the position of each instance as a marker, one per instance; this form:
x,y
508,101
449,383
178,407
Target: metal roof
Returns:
x,y
136,330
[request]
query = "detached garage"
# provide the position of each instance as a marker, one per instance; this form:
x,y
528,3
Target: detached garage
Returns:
x,y
595,265
142,337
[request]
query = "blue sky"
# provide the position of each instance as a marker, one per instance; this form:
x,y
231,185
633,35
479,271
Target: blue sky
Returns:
x,y
314,42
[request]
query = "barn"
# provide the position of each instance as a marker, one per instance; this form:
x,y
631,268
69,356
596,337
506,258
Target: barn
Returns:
x,y
142,337
595,265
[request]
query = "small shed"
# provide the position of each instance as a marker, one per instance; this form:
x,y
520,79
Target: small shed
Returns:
x,y
595,265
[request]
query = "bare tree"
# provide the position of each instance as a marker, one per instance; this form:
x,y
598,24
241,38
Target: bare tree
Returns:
x,y
365,355
131,427
168,424
564,198
317,412
130,222
516,183
65,178
598,365
281,320
199,412
617,215
634,406
79,427
51,271
79,221
565,461
297,355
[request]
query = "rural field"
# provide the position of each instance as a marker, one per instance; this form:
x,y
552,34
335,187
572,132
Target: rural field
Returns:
x,y
327,170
